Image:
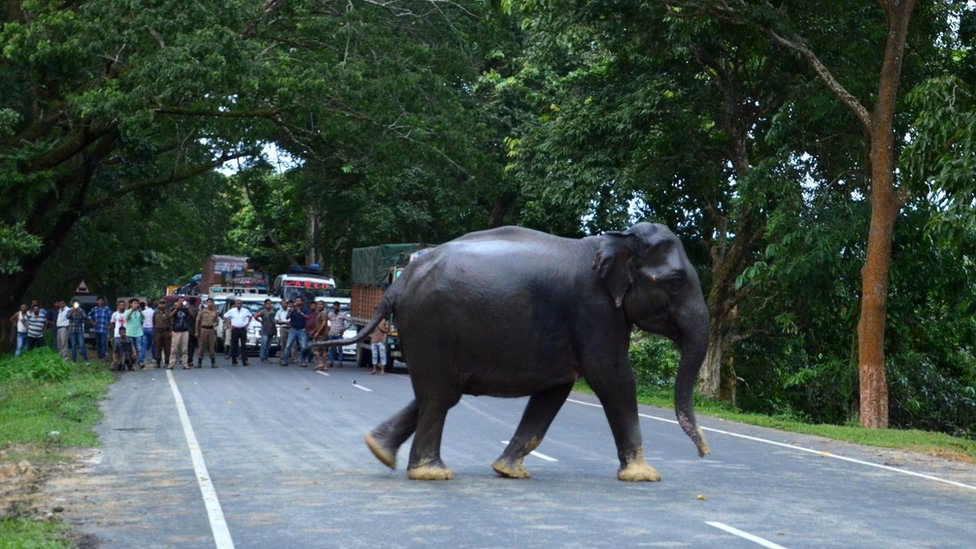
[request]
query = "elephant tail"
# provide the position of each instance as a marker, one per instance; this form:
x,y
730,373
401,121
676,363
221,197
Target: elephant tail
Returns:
x,y
383,310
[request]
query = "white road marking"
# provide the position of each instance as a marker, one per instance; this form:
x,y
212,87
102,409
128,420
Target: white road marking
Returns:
x,y
361,388
802,449
745,535
214,512
539,455
326,374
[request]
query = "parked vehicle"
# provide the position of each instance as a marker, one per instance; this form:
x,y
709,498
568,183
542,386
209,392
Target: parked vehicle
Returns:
x,y
229,272
307,283
253,302
373,270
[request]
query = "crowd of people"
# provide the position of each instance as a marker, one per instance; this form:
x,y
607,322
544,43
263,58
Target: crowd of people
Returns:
x,y
167,335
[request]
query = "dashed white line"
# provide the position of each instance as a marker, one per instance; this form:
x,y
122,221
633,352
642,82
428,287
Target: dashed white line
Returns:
x,y
801,449
745,535
539,455
326,374
361,388
218,525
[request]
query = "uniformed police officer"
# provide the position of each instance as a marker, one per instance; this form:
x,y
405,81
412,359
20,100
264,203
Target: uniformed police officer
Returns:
x,y
207,322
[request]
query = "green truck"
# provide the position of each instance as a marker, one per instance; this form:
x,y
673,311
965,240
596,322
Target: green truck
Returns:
x,y
373,270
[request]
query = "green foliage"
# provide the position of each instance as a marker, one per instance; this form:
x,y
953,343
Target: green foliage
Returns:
x,y
26,533
654,360
40,393
16,243
41,365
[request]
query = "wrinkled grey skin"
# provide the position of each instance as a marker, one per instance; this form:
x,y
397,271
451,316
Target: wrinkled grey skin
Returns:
x,y
514,312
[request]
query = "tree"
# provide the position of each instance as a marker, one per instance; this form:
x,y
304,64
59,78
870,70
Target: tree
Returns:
x,y
89,117
782,23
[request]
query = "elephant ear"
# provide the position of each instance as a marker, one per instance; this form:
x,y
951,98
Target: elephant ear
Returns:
x,y
614,262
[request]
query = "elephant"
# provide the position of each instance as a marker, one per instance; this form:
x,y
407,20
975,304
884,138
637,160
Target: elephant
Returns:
x,y
512,312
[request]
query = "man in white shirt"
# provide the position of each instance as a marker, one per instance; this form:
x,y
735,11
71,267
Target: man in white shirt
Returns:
x,y
62,328
147,333
237,319
118,321
281,320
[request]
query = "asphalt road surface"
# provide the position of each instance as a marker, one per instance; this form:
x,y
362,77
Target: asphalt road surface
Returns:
x,y
273,457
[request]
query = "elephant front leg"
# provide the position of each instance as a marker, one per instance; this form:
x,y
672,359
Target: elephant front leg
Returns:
x,y
619,399
387,437
536,419
425,453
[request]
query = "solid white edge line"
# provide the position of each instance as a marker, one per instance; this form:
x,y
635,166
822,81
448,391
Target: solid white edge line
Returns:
x,y
803,449
326,374
218,524
539,455
745,535
361,388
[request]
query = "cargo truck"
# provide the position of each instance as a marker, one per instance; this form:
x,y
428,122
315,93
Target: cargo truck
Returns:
x,y
373,270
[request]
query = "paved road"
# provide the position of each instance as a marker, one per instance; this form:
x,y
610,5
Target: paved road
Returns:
x,y
283,453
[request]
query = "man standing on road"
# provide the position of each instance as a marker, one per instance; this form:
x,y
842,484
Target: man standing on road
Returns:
x,y
36,320
266,317
101,316
133,324
162,334
281,320
181,320
77,320
237,319
117,321
61,327
207,322
320,331
148,312
19,319
377,343
338,322
297,318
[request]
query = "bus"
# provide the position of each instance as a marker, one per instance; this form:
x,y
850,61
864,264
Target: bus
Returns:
x,y
309,287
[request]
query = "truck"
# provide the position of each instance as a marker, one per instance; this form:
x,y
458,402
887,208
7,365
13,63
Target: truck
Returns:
x,y
229,271
374,268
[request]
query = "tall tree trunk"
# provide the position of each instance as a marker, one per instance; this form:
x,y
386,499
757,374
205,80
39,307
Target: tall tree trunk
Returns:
x,y
885,204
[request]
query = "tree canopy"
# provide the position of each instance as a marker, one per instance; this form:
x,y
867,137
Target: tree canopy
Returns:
x,y
817,160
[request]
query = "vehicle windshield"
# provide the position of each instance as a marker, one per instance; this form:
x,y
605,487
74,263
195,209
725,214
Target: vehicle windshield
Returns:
x,y
307,294
256,306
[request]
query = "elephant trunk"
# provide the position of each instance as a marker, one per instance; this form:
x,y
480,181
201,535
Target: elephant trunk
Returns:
x,y
694,329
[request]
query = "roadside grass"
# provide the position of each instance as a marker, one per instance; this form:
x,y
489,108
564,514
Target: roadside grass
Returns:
x,y
924,442
47,406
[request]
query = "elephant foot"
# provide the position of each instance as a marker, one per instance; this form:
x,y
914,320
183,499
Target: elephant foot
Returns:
x,y
510,469
430,471
637,470
385,456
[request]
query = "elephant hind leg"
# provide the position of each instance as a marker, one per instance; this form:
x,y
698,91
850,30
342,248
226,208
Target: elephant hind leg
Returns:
x,y
387,437
425,452
539,413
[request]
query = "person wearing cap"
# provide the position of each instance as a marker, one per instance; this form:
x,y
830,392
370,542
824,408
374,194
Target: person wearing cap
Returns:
x,y
162,335
207,322
237,319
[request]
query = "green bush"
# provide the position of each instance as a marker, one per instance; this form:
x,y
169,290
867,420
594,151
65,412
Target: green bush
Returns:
x,y
40,365
654,361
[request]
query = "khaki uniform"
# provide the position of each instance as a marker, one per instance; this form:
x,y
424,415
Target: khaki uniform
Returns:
x,y
207,323
162,336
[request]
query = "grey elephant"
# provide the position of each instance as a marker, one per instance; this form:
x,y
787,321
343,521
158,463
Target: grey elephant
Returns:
x,y
513,312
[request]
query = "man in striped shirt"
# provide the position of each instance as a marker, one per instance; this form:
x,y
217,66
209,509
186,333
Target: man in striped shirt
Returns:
x,y
36,320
